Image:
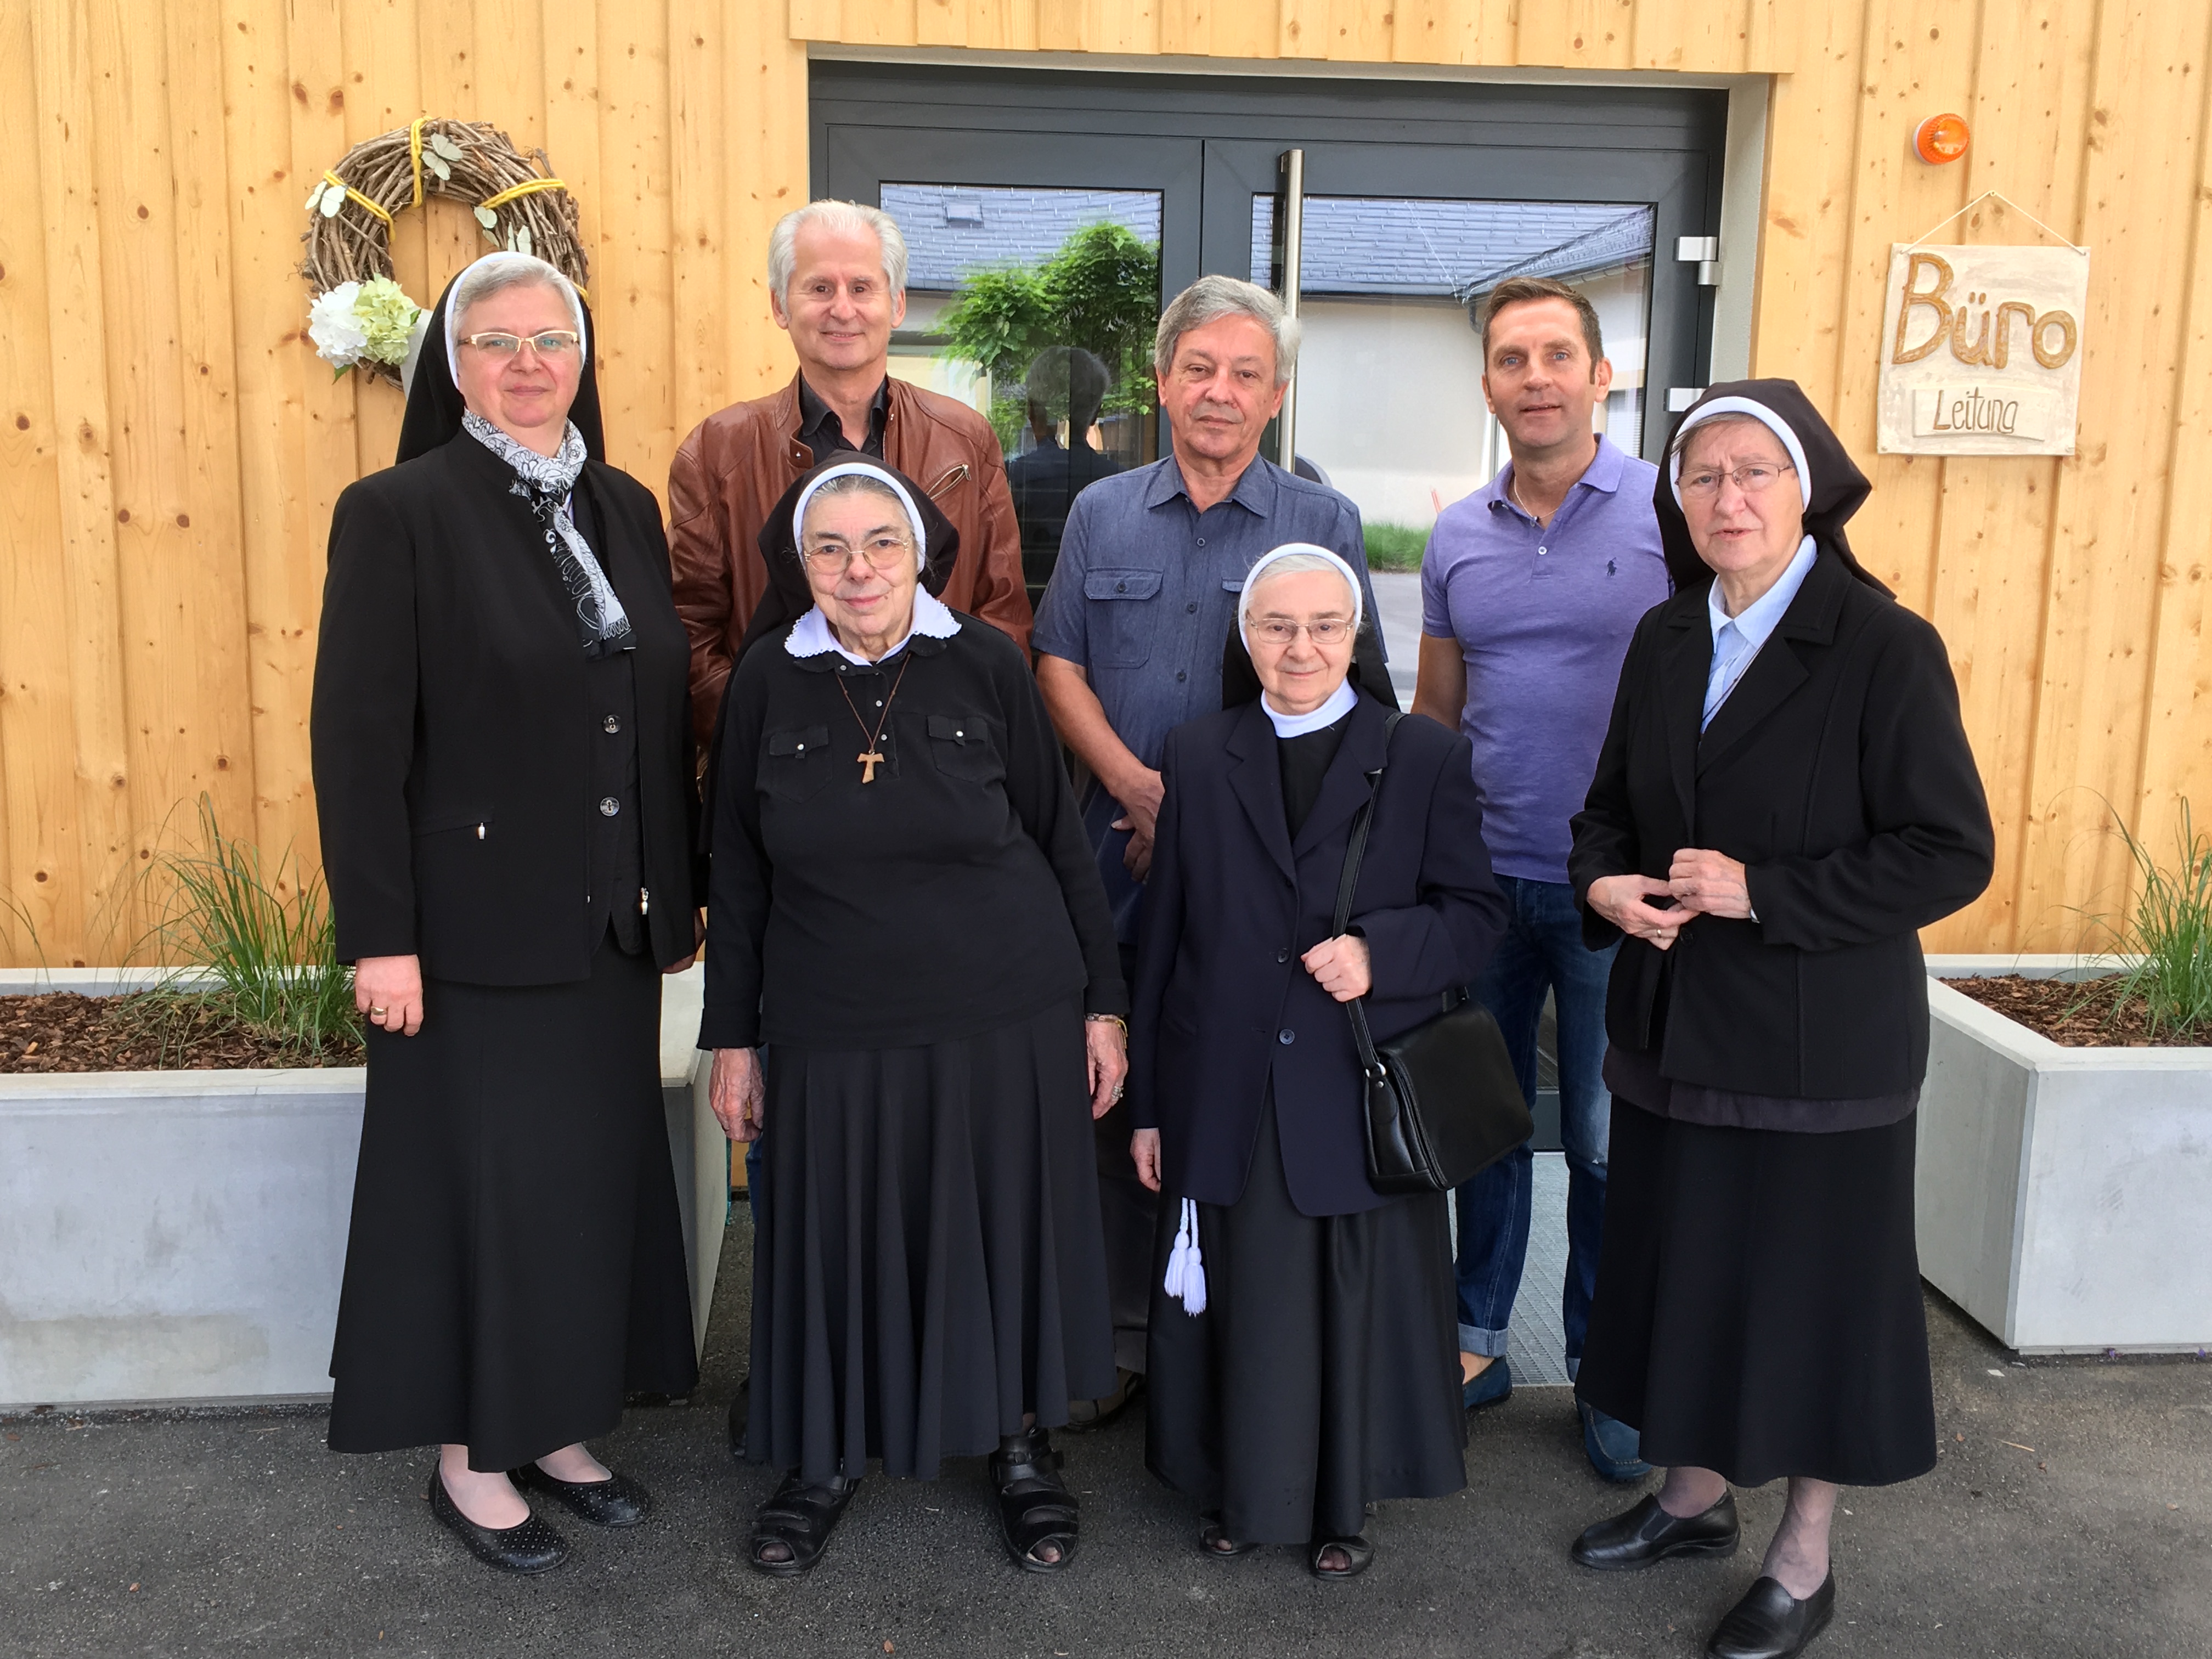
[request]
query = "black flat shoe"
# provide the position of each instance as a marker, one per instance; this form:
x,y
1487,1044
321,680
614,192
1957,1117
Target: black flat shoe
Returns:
x,y
531,1547
616,1501
1034,1506
799,1518
1769,1623
1215,1544
1647,1533
1087,1414
1359,1555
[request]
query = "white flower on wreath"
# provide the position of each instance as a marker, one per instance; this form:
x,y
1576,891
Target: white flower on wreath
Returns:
x,y
339,336
373,321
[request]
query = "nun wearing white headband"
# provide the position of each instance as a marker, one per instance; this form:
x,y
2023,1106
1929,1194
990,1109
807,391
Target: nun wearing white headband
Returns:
x,y
1784,798
916,1003
502,762
1303,1353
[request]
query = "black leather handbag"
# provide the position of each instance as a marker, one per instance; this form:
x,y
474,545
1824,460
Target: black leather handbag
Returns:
x,y
1442,1103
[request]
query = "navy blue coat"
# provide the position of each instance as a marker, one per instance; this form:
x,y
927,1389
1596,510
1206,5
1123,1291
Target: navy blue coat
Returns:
x,y
1224,1003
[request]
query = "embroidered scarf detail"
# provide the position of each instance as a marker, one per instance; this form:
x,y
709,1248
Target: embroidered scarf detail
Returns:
x,y
546,483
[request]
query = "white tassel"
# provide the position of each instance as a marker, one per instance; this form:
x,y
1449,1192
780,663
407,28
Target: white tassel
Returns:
x,y
1186,1276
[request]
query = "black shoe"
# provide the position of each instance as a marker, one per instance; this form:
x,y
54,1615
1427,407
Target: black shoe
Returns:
x,y
740,1415
799,1518
1647,1533
1035,1505
1769,1623
1086,1414
530,1548
1358,1556
616,1501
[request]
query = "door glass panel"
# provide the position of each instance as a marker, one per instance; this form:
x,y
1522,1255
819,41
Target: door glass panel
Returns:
x,y
1036,307
1389,375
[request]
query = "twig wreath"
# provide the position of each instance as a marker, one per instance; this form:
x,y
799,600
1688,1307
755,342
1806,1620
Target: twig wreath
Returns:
x,y
360,316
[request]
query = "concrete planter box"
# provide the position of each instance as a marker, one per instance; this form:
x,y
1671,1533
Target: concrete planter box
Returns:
x,y
2064,1195
177,1236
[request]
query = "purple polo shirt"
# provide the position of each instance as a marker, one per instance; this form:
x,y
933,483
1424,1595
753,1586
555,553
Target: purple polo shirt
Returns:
x,y
1543,618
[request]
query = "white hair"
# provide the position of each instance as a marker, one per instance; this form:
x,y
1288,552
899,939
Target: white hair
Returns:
x,y
495,274
856,478
850,218
1211,298
1294,558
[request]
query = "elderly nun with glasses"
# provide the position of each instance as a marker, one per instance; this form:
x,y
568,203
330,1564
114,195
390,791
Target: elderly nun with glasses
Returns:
x,y
1784,798
1304,1348
916,1004
502,759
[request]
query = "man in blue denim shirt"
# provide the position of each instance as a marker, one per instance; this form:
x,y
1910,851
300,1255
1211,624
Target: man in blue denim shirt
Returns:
x,y
1530,589
1130,632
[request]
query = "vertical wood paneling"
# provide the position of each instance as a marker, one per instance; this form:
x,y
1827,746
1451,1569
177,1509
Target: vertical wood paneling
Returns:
x,y
154,364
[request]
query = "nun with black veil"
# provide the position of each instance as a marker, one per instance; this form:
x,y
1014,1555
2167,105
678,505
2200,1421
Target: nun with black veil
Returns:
x,y
1304,1356
915,1002
502,759
1784,797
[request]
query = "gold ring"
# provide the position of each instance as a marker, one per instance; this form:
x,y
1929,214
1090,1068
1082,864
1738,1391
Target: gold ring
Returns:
x,y
378,1013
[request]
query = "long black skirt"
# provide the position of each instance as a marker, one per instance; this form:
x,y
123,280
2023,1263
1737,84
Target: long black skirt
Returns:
x,y
1758,1309
932,1266
1323,1374
516,1259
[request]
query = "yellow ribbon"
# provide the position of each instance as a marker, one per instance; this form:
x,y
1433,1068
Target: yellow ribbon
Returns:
x,y
528,187
353,195
415,156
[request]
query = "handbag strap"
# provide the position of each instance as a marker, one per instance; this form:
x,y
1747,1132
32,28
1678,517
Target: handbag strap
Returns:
x,y
1355,852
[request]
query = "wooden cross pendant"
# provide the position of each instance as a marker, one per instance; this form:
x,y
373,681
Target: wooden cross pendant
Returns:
x,y
868,765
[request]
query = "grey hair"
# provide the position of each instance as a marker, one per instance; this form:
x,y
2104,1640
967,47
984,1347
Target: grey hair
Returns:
x,y
850,218
1211,298
1295,564
856,484
496,273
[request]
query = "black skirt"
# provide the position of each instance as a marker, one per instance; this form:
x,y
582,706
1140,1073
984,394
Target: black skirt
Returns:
x,y
1758,1309
1323,1374
931,1267
516,1259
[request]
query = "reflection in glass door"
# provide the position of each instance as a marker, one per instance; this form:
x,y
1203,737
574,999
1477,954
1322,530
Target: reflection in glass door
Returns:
x,y
1389,402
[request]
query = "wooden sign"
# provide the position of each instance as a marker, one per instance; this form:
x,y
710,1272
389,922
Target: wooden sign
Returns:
x,y
1981,350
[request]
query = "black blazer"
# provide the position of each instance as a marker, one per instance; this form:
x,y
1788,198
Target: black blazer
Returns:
x,y
1223,1003
1839,774
450,723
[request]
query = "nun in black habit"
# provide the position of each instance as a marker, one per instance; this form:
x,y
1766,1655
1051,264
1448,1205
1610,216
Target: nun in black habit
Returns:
x,y
502,761
1785,796
916,1003
1304,1357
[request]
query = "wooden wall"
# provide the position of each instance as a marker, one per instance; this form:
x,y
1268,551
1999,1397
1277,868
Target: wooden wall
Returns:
x,y
170,447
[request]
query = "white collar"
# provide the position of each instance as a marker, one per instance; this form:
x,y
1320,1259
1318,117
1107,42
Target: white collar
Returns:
x,y
1341,701
1764,614
812,634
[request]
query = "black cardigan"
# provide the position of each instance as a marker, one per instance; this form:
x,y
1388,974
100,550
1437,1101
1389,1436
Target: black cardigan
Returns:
x,y
1225,1007
1839,774
450,723
953,894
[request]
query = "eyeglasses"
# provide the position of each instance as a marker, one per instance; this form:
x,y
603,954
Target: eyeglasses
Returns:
x,y
884,552
1329,630
1751,480
553,342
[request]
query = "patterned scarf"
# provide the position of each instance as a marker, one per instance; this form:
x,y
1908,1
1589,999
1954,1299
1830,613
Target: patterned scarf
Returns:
x,y
546,483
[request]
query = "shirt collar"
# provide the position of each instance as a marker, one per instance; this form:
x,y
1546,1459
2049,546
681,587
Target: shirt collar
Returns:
x,y
1604,472
812,634
1764,614
812,411
1341,701
1255,491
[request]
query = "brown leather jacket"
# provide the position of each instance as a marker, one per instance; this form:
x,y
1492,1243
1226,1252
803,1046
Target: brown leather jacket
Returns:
x,y
736,465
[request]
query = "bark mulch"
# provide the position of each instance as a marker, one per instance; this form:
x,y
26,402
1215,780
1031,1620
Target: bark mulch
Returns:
x,y
2078,1014
142,1031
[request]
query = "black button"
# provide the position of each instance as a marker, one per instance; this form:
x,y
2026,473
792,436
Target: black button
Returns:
x,y
1121,587
1192,609
608,807
1282,956
612,723
1201,541
1286,1037
1181,675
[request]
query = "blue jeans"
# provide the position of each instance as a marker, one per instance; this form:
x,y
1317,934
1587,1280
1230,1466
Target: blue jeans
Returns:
x,y
1542,949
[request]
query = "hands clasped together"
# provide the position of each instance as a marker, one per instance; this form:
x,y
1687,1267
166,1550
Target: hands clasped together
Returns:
x,y
1699,882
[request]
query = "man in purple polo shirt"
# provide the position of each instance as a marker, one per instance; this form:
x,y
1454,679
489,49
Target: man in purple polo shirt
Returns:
x,y
1529,591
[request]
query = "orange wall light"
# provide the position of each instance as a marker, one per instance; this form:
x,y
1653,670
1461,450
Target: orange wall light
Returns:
x,y
1940,138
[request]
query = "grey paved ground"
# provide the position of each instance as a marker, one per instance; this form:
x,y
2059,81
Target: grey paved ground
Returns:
x,y
243,1535
1398,598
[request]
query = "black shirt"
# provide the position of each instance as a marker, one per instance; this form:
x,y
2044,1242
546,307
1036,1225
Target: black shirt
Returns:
x,y
821,431
1304,760
953,894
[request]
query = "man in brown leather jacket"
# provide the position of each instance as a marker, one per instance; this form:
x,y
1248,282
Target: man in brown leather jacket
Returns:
x,y
837,285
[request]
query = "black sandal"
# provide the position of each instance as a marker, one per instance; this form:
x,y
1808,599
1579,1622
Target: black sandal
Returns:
x,y
1034,1506
1357,1551
800,1517
1211,1538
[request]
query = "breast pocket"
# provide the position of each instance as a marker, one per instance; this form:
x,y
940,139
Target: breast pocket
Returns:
x,y
795,762
1122,622
964,747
